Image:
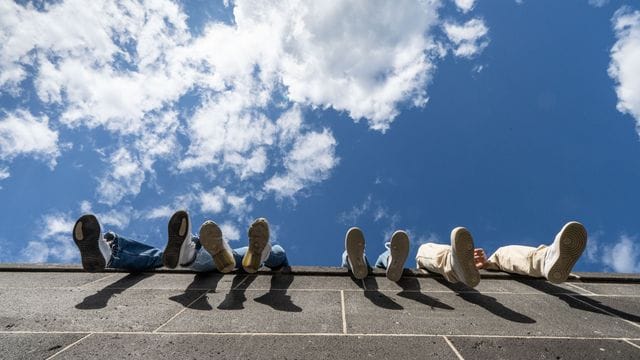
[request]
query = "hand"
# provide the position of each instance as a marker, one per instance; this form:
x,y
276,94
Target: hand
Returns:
x,y
479,258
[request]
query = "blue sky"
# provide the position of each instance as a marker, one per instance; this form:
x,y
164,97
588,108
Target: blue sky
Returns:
x,y
507,117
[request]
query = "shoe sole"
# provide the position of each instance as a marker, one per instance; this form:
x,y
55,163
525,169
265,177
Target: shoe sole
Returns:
x,y
86,234
462,248
354,243
258,239
399,249
212,241
177,231
573,240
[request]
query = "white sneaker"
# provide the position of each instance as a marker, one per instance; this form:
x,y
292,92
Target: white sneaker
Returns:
x,y
565,251
354,244
212,241
398,252
180,249
462,257
94,251
259,246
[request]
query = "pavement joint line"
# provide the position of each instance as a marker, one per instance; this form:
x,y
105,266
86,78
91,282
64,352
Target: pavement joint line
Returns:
x,y
181,311
95,281
241,282
630,343
588,292
68,346
453,348
605,311
344,313
319,334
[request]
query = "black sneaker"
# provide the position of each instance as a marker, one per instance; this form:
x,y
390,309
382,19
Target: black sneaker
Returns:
x,y
86,235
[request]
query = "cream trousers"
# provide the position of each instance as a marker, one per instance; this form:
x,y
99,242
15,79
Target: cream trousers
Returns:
x,y
517,259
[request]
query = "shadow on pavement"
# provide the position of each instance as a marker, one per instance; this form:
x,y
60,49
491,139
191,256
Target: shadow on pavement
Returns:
x,y
370,286
277,297
203,282
411,290
570,297
235,298
100,299
491,304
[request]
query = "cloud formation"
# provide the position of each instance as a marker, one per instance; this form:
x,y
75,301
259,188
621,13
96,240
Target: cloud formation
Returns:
x,y
468,39
24,134
624,256
625,61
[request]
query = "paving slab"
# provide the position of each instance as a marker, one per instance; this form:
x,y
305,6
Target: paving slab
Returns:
x,y
305,282
34,346
89,310
257,311
611,289
165,281
510,348
159,346
12,280
626,307
477,314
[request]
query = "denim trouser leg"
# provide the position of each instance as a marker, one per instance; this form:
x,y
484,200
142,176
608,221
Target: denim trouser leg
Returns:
x,y
133,256
383,260
204,261
345,263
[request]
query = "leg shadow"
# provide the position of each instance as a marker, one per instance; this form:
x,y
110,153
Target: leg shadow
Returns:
x,y
277,297
489,303
570,297
411,290
201,282
100,299
371,292
235,298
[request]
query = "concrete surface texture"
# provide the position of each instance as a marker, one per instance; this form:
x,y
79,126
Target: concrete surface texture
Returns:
x,y
312,313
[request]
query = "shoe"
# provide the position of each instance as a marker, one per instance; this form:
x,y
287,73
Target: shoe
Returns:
x,y
462,257
398,252
212,241
259,246
354,244
565,251
180,249
86,235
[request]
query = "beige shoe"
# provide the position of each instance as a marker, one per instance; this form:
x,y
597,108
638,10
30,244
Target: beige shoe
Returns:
x,y
259,246
212,241
462,257
565,251
398,252
354,244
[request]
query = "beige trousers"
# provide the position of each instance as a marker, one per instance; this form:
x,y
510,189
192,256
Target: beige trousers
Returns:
x,y
517,259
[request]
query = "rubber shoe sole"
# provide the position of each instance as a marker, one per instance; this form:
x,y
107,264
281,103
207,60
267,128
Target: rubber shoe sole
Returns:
x,y
568,248
177,230
212,241
462,250
258,239
354,243
86,235
399,250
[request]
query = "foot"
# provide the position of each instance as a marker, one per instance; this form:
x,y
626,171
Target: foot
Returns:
x,y
462,257
86,235
259,246
354,244
398,252
565,251
212,241
180,249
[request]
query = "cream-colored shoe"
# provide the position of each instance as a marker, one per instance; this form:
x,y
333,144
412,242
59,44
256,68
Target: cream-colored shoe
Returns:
x,y
565,251
354,244
398,252
212,241
462,257
259,246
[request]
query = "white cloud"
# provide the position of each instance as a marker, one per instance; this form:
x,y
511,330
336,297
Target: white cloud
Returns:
x,y
4,173
54,242
625,62
230,232
598,3
353,215
23,134
465,5
161,212
469,38
624,256
124,177
212,201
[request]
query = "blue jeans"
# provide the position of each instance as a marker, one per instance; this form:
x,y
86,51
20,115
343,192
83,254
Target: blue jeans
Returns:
x,y
135,256
381,263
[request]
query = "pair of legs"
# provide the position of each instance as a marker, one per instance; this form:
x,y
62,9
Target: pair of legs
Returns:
x,y
460,261
207,252
392,259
